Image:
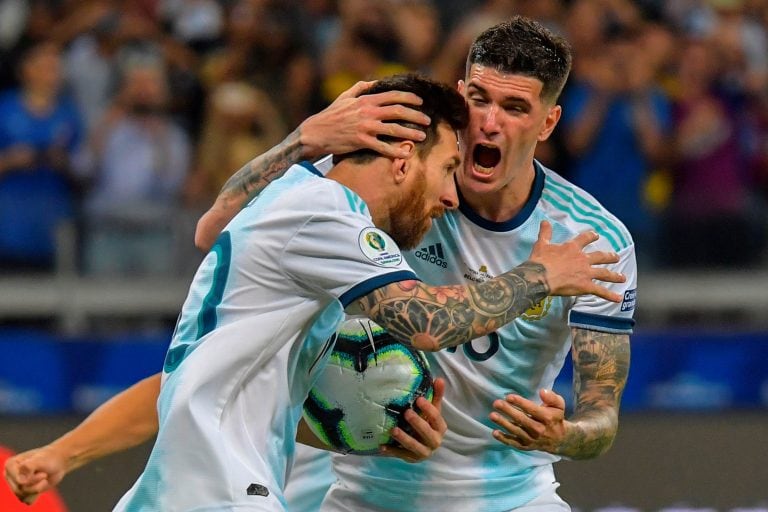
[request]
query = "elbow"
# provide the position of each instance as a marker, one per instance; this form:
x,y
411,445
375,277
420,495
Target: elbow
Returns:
x,y
204,239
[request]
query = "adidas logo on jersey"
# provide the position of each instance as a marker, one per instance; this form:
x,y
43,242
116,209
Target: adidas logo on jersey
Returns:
x,y
433,254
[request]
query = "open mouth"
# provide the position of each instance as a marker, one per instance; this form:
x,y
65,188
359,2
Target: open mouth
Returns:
x,y
485,158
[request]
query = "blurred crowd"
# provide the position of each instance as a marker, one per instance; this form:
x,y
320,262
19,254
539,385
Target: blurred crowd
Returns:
x,y
120,120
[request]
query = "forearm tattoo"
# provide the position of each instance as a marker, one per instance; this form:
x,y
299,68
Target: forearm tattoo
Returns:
x,y
437,317
254,176
601,366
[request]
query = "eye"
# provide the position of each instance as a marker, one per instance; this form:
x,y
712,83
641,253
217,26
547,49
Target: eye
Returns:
x,y
516,108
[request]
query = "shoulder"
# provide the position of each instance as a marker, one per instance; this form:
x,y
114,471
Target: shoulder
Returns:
x,y
577,210
303,189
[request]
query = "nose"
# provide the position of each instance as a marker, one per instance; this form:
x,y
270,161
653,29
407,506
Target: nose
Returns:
x,y
450,198
490,120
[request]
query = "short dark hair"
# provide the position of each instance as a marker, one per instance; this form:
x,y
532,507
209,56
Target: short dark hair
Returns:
x,y
522,46
443,104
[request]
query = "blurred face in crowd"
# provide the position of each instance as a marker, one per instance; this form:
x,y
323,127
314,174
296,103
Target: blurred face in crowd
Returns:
x,y
507,118
145,90
41,69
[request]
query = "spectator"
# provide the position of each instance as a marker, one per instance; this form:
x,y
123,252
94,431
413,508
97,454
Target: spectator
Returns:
x,y
263,47
711,194
137,161
616,119
368,47
39,131
241,122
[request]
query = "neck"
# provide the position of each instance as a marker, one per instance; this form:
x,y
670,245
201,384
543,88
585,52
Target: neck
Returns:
x,y
503,204
365,181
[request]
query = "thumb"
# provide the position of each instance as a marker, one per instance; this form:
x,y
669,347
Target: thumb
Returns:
x,y
552,399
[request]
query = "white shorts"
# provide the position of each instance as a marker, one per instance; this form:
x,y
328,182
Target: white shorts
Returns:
x,y
341,498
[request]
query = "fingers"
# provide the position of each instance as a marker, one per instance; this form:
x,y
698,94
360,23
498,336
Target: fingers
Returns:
x,y
585,238
526,424
402,113
429,427
23,483
545,232
396,98
552,399
356,90
602,257
609,276
604,293
439,392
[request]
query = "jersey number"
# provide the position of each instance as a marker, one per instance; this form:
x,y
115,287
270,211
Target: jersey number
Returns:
x,y
475,355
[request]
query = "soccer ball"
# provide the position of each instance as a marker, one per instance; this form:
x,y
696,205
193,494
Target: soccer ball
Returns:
x,y
370,380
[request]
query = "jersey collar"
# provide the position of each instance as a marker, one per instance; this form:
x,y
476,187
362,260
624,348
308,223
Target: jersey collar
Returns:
x,y
311,168
517,220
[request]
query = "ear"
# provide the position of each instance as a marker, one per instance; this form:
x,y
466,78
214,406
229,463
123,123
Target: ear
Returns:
x,y
462,87
400,166
553,116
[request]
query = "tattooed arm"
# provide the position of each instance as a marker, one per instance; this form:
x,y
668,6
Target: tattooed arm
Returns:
x,y
351,122
600,369
436,317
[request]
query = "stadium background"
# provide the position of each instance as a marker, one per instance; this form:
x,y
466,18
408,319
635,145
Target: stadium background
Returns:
x,y
89,311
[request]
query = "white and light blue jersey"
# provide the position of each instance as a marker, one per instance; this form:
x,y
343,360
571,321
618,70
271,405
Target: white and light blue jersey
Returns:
x,y
250,341
471,470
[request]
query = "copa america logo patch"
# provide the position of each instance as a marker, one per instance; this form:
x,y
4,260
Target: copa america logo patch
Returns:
x,y
629,300
378,247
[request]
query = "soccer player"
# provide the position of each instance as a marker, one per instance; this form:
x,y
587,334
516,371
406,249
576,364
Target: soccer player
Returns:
x,y
257,324
506,426
208,380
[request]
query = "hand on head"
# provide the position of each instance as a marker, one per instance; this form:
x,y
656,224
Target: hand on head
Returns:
x,y
354,121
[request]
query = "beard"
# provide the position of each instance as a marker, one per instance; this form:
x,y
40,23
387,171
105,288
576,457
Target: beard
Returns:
x,y
409,219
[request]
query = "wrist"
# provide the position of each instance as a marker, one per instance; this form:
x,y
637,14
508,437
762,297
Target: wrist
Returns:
x,y
69,452
308,143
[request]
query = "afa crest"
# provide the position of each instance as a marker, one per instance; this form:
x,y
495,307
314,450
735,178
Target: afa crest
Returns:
x,y
539,310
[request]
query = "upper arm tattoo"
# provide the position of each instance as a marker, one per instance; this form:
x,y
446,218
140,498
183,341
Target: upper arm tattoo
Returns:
x,y
436,317
600,369
254,176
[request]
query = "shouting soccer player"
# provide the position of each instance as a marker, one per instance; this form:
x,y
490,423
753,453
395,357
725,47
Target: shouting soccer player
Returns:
x,y
506,425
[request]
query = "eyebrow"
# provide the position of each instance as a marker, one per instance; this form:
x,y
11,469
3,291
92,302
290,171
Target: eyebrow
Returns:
x,y
506,99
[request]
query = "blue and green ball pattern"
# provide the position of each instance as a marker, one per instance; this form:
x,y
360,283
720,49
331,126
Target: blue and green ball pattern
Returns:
x,y
370,380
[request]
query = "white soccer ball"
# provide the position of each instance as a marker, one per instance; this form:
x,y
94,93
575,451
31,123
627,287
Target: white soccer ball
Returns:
x,y
370,380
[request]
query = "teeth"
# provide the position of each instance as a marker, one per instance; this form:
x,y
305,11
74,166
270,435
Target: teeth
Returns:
x,y
483,170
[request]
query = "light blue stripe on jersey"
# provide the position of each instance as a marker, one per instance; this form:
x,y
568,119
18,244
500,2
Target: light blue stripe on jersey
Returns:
x,y
356,204
566,199
604,323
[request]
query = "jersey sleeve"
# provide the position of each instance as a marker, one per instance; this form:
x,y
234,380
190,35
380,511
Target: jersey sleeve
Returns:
x,y
597,314
343,254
